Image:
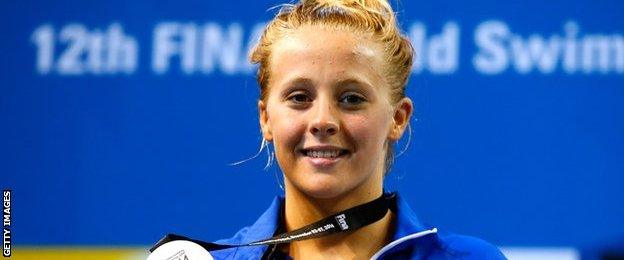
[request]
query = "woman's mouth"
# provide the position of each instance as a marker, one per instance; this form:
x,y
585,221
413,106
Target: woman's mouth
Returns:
x,y
324,156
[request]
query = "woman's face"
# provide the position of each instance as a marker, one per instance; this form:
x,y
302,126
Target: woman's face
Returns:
x,y
329,112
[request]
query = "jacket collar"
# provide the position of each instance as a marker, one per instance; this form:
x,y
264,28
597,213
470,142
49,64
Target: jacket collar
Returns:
x,y
409,232
264,227
267,223
406,224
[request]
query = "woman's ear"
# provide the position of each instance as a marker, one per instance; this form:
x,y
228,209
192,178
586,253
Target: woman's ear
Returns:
x,y
401,117
264,121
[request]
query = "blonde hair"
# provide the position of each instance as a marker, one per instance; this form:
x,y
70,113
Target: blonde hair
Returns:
x,y
372,17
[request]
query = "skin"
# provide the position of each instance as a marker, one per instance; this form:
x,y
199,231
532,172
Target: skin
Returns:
x,y
326,89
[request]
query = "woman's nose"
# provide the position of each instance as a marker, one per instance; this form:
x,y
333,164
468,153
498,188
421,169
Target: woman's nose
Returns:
x,y
324,129
324,122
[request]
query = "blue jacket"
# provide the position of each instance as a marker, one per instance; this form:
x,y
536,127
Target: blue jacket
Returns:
x,y
412,239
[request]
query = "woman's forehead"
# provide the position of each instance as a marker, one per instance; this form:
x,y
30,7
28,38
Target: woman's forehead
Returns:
x,y
313,46
316,39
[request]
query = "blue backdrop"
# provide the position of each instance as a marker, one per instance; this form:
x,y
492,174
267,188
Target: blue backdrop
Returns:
x,y
118,120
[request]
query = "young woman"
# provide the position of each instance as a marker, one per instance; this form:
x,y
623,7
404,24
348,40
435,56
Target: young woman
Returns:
x,y
332,76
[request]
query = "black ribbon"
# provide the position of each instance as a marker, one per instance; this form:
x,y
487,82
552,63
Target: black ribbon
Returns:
x,y
347,220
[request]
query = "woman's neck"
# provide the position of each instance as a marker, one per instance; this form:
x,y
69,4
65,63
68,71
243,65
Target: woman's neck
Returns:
x,y
301,210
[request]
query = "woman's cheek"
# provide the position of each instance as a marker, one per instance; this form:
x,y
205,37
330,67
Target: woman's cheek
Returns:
x,y
365,129
288,130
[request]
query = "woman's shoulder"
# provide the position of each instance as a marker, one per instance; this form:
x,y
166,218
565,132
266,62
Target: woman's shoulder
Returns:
x,y
434,243
264,227
454,246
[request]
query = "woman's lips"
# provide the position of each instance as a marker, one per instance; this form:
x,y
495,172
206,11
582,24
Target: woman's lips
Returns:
x,y
324,158
323,162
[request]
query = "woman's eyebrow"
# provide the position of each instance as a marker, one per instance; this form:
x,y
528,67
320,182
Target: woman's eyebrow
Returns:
x,y
296,82
299,81
354,81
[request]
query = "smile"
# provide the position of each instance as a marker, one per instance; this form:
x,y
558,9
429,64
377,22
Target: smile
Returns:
x,y
324,156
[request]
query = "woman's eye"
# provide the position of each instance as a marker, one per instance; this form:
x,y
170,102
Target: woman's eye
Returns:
x,y
299,98
352,99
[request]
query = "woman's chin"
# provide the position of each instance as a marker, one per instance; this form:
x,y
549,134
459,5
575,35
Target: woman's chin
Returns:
x,y
321,188
324,193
